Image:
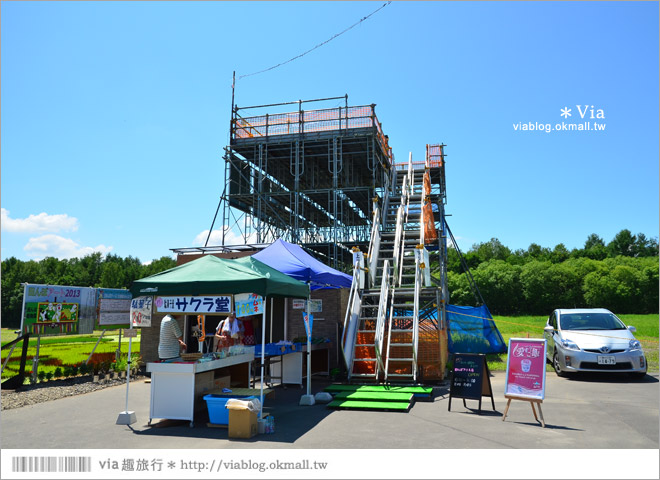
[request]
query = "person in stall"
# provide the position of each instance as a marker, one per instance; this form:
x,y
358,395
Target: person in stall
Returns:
x,y
230,332
170,343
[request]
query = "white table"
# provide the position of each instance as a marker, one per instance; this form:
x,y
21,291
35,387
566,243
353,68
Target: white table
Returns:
x,y
173,385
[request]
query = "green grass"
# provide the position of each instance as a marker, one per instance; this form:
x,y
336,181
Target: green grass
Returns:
x,y
532,327
61,351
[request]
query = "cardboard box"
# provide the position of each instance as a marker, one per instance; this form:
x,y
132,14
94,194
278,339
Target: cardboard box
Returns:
x,y
242,424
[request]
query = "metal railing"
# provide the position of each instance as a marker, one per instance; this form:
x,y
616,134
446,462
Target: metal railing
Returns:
x,y
351,320
324,120
374,244
382,312
419,265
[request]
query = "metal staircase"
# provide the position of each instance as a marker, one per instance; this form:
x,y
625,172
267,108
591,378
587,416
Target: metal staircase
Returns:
x,y
400,300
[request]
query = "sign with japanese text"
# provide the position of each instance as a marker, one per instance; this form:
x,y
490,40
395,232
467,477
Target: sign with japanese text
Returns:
x,y
248,304
467,376
315,306
141,308
298,304
470,378
57,309
114,306
525,368
200,305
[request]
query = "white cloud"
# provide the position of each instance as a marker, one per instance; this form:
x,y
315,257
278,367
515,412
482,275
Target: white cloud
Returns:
x,y
55,246
38,223
231,238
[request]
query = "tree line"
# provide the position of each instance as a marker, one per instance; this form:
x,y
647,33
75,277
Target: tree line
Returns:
x,y
621,275
94,270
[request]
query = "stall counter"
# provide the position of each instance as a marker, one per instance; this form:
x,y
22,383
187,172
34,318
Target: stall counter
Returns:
x,y
175,385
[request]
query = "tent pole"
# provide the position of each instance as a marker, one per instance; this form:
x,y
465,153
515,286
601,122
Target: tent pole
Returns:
x,y
263,358
308,399
309,355
271,320
286,319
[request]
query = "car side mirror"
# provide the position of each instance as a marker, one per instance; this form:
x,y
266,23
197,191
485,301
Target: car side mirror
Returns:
x,y
549,329
632,329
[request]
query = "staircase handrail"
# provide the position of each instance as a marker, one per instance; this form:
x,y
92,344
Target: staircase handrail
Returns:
x,y
374,244
422,224
410,172
419,265
350,320
382,312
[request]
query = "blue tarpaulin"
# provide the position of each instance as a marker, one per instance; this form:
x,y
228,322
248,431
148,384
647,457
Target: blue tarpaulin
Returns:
x,y
472,330
292,260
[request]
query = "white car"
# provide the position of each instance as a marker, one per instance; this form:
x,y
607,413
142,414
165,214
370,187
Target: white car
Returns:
x,y
592,340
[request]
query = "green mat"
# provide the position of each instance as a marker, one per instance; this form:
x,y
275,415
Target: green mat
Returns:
x,y
377,396
402,406
379,388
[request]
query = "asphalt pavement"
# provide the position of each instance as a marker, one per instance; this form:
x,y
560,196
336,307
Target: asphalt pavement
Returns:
x,y
587,412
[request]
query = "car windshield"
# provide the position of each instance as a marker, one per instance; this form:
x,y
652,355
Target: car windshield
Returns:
x,y
590,321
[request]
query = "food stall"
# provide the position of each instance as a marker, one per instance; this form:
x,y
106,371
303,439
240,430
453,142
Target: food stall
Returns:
x,y
207,286
177,385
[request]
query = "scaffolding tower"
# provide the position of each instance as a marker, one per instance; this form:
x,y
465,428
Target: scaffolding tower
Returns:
x,y
308,176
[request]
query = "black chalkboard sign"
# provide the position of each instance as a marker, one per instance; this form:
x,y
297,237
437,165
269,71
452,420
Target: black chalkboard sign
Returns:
x,y
470,378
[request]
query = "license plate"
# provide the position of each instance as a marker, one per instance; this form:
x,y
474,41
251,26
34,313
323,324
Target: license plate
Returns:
x,y
606,360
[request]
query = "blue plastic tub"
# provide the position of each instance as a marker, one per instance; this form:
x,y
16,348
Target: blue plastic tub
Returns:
x,y
218,414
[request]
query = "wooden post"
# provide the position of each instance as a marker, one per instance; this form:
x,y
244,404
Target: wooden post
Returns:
x,y
531,401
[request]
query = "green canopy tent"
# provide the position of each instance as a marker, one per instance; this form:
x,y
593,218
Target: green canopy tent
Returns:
x,y
210,274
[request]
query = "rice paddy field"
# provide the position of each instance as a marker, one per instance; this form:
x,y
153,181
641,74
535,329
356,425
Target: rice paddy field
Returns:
x,y
65,352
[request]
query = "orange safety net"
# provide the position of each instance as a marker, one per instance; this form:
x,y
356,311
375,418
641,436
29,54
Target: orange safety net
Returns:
x,y
430,233
427,184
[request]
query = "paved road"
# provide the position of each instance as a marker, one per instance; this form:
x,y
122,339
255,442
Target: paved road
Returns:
x,y
592,412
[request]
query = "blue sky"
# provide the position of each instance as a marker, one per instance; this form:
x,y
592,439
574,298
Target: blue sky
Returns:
x,y
115,114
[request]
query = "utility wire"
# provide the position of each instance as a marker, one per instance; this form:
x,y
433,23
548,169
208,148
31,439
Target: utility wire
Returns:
x,y
319,45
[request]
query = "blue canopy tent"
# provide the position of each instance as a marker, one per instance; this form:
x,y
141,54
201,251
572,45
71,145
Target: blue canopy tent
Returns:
x,y
292,260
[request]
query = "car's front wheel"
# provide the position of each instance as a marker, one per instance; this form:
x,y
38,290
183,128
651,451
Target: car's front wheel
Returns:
x,y
557,367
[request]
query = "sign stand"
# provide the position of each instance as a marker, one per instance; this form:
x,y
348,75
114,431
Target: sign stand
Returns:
x,y
525,374
531,402
470,379
126,417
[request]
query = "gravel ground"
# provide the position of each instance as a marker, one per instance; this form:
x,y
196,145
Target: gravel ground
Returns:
x,y
47,391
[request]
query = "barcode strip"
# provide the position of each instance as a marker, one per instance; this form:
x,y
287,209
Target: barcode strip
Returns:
x,y
51,464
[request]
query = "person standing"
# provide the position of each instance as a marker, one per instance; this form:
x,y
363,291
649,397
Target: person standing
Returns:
x,y
170,342
229,332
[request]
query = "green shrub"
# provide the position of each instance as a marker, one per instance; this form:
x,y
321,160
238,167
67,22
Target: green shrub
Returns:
x,y
49,376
